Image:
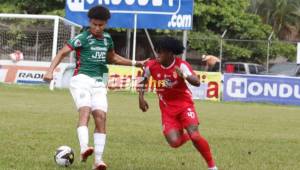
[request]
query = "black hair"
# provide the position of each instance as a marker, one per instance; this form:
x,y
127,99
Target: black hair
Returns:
x,y
99,12
169,44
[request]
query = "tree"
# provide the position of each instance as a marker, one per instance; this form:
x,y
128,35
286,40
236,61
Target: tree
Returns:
x,y
212,17
32,6
282,15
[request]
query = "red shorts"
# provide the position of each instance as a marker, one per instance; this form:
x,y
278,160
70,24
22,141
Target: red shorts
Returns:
x,y
179,121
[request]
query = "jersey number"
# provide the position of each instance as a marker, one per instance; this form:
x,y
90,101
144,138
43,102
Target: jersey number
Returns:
x,y
191,114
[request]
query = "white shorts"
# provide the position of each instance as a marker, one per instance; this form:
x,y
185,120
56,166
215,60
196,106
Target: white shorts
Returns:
x,y
86,91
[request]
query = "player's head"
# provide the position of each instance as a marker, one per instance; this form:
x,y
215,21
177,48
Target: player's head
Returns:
x,y
166,48
98,16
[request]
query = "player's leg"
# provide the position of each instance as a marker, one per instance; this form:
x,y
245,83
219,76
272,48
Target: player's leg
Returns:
x,y
83,133
99,138
82,99
176,138
99,109
201,145
173,131
190,122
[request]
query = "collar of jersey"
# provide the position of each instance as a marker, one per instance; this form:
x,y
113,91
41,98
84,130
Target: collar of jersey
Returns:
x,y
171,65
96,37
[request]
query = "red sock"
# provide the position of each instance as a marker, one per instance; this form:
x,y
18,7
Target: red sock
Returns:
x,y
202,146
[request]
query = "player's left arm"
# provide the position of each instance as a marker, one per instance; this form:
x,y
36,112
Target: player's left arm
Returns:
x,y
186,72
115,58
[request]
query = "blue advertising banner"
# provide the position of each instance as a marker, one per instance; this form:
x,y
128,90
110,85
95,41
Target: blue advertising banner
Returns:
x,y
272,89
153,14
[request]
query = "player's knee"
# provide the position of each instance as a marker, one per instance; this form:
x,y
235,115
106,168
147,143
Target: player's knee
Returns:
x,y
193,132
175,143
101,116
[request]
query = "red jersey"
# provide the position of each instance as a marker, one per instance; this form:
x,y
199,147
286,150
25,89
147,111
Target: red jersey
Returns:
x,y
173,93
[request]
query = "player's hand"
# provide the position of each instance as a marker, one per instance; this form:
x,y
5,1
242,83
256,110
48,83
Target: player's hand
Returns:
x,y
142,63
143,104
48,76
179,72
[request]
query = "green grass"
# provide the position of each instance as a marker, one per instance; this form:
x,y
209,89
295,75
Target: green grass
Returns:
x,y
243,136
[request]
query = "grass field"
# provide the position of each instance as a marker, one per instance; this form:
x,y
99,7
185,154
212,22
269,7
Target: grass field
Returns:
x,y
243,136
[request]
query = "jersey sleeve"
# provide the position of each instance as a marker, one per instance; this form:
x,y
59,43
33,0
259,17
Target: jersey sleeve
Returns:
x,y
186,69
147,73
76,42
147,69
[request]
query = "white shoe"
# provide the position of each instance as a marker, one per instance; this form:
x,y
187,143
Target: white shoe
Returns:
x,y
213,168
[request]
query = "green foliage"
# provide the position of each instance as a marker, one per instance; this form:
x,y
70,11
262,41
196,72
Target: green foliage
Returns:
x,y
35,6
59,12
282,15
236,52
8,8
204,42
284,49
212,17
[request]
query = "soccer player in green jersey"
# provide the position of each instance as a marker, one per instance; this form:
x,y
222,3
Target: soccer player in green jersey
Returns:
x,y
94,48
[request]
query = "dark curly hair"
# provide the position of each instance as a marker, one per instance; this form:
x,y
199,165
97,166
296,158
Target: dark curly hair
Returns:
x,y
99,12
169,44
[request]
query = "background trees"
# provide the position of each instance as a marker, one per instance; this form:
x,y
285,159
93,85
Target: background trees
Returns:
x,y
243,20
282,15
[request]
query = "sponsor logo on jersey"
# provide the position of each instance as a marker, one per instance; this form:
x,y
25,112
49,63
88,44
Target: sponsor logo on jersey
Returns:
x,y
99,48
166,83
175,75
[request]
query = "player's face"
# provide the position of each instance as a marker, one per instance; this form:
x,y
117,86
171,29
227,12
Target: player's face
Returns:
x,y
163,56
97,27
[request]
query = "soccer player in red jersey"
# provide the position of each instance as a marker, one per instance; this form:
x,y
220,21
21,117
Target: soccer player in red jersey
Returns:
x,y
179,118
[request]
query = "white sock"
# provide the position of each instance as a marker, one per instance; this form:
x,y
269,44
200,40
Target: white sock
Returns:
x,y
99,140
83,137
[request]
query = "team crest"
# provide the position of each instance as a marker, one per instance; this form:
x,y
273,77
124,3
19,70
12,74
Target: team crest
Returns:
x,y
175,75
91,41
77,43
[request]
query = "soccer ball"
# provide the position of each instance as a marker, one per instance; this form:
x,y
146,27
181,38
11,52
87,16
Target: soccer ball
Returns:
x,y
64,156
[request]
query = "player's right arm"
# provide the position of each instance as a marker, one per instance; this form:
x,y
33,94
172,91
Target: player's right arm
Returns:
x,y
57,59
142,102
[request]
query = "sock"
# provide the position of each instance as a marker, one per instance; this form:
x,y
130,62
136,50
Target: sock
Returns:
x,y
99,140
83,137
202,146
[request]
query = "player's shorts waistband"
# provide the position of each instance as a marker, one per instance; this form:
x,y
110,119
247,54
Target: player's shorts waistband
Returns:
x,y
94,81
